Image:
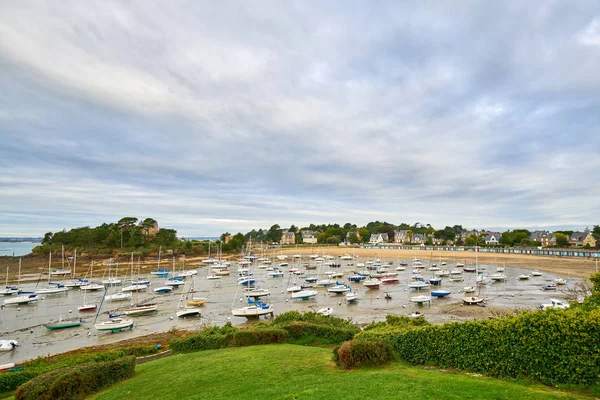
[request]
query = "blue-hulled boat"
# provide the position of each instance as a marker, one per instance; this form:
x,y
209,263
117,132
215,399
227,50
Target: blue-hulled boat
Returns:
x,y
440,293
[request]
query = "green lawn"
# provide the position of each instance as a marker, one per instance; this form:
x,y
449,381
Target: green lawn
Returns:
x,y
302,372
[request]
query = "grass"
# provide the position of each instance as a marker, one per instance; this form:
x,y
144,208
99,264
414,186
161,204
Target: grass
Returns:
x,y
302,372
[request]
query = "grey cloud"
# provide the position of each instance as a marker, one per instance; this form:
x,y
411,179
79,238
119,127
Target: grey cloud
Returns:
x,y
231,116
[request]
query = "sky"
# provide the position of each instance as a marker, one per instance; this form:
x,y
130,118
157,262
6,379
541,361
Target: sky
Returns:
x,y
231,115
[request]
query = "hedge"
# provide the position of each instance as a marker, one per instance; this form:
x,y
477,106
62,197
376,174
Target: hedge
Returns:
x,y
553,347
322,334
76,382
10,381
218,338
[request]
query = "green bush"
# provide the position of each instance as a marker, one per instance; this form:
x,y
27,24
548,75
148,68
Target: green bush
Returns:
x,y
76,382
217,338
363,352
553,347
12,380
198,342
317,333
256,337
39,366
140,351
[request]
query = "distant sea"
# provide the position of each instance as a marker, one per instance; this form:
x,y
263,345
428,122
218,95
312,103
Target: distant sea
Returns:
x,y
16,248
201,238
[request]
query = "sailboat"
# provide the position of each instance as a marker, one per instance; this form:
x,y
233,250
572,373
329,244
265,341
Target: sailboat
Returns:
x,y
114,324
9,290
183,309
112,281
161,273
24,299
57,288
86,307
135,286
63,324
61,271
185,273
75,282
175,281
91,286
474,300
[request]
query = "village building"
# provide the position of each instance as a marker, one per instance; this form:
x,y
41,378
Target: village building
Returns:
x,y
377,238
541,236
308,237
418,238
581,239
288,238
402,236
493,238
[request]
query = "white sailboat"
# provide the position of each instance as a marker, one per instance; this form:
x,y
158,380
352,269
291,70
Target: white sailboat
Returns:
x,y
9,290
183,309
56,288
91,286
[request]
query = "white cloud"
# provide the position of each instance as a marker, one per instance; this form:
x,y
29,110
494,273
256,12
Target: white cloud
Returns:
x,y
216,117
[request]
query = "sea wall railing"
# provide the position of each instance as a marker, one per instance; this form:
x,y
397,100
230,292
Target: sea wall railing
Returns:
x,y
505,250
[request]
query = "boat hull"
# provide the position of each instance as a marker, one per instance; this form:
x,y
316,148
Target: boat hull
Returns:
x,y
63,325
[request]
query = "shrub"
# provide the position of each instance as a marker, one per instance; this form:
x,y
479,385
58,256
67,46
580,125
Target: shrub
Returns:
x,y
39,366
217,338
363,352
553,347
256,337
76,382
199,342
317,333
12,380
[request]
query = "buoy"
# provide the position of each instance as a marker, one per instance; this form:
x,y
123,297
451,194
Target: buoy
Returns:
x,y
70,311
171,317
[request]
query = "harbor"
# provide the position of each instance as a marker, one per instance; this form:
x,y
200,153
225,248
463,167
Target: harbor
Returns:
x,y
26,323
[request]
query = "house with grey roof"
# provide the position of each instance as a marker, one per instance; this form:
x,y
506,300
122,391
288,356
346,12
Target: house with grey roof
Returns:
x,y
402,236
419,238
288,238
541,236
493,238
580,239
308,237
377,238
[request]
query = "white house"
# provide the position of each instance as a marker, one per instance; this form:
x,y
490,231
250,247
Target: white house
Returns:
x,y
308,237
493,238
377,238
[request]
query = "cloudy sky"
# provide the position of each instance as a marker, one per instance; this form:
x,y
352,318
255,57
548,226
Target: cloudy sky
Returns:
x,y
228,116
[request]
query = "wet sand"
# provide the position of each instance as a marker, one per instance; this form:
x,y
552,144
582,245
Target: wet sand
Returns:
x,y
568,266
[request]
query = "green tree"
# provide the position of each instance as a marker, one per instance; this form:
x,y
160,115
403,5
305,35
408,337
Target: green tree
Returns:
x,y
352,238
125,224
166,237
561,240
596,234
47,238
223,236
274,234
293,228
146,225
472,240
364,234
